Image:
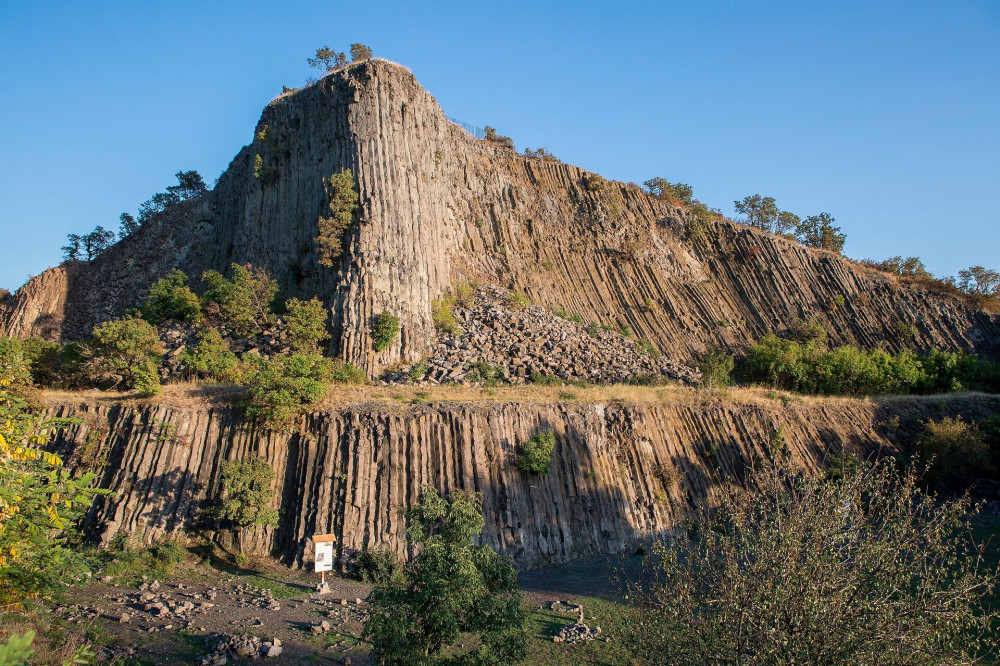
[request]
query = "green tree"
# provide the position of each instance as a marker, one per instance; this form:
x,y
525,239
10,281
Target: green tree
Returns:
x,y
73,249
244,301
127,225
762,213
954,451
343,202
305,323
360,52
125,353
819,231
492,136
283,386
536,454
171,298
96,242
245,494
452,587
385,329
862,570
716,368
661,188
979,281
902,266
211,357
327,59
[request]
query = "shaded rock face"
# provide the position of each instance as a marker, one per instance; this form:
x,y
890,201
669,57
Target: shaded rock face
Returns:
x,y
619,472
437,206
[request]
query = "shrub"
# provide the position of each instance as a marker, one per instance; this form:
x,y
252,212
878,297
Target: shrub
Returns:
x,y
698,221
465,294
125,353
17,650
245,301
541,154
487,374
644,346
536,454
517,301
385,329
664,189
131,563
905,267
327,59
417,372
443,315
51,363
592,182
492,136
342,372
378,567
282,387
305,323
343,202
954,452
453,586
793,570
244,495
809,330
210,357
716,368
360,52
818,231
171,298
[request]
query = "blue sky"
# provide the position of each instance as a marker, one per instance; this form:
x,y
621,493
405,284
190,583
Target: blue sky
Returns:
x,y
885,114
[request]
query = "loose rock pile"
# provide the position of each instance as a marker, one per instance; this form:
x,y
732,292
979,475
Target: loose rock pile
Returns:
x,y
177,337
578,631
535,341
238,646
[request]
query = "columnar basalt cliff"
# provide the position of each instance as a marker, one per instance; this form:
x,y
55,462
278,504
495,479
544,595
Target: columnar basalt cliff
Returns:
x,y
619,472
437,206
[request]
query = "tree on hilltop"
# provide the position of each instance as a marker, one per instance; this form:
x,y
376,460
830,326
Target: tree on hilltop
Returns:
x,y
327,59
819,231
360,52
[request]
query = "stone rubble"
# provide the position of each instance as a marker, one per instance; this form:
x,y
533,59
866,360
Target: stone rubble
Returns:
x,y
238,646
534,341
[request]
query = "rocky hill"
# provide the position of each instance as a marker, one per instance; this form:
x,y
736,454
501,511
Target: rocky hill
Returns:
x,y
438,206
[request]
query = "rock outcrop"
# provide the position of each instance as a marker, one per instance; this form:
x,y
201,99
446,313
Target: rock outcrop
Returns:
x,y
620,472
438,206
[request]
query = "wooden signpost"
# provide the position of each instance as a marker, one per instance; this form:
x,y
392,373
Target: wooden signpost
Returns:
x,y
324,555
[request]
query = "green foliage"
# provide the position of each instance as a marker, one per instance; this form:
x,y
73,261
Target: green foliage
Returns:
x,y
327,59
818,231
305,323
808,330
487,374
245,494
244,301
453,587
343,202
500,140
417,372
862,570
954,451
644,346
189,185
592,182
568,316
378,567
40,500
904,267
283,386
443,315
130,561
699,221
89,246
465,294
265,173
342,372
385,329
664,189
171,298
51,362
360,52
716,368
517,301
762,213
811,368
17,650
536,454
541,154
210,358
125,354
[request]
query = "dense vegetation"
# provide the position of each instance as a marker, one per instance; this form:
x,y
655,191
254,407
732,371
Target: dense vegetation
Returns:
x,y
864,569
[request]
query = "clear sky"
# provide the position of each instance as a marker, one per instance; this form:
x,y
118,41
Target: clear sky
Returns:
x,y
884,114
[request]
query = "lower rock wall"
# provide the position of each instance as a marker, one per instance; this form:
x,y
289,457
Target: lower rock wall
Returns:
x,y
620,472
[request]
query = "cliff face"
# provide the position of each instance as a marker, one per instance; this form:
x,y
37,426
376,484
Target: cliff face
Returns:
x,y
619,472
438,206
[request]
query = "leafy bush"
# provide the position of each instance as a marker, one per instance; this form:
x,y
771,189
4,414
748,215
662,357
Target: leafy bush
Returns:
x,y
465,294
417,372
342,372
343,202
536,454
954,452
125,353
210,358
904,267
305,323
592,182
818,231
40,500
517,301
443,315
385,328
492,136
664,189
131,562
646,347
244,301
328,60
541,154
17,650
245,494
378,567
793,570
171,298
486,374
716,368
453,586
360,52
282,387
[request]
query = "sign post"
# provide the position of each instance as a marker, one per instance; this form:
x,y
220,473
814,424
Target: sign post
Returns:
x,y
324,558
